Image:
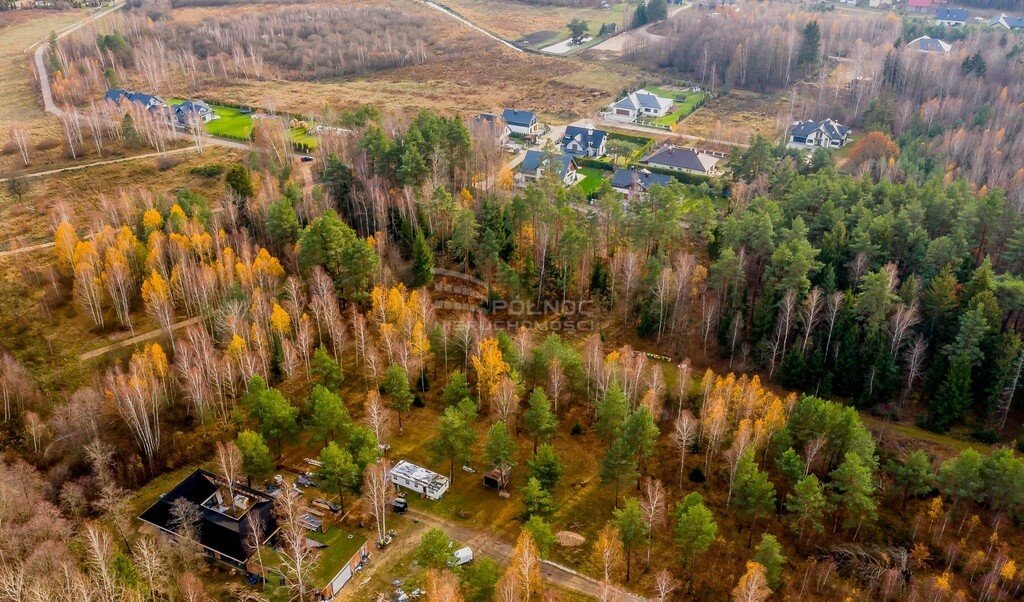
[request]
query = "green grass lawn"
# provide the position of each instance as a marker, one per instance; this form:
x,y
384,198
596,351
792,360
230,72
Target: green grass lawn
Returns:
x,y
686,103
303,138
592,180
231,123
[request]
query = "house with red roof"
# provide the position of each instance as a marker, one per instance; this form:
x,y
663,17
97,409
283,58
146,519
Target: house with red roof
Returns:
x,y
919,6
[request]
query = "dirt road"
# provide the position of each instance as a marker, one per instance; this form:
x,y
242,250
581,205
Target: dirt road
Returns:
x,y
467,22
488,545
629,37
40,58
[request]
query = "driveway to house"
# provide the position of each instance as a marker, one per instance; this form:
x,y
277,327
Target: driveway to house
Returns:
x,y
465,21
501,551
40,57
619,42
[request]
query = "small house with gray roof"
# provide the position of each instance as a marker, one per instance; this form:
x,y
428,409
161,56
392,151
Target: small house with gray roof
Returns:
x,y
818,134
524,123
584,141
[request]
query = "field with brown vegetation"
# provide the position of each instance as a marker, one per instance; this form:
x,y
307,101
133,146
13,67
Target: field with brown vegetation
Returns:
x,y
535,22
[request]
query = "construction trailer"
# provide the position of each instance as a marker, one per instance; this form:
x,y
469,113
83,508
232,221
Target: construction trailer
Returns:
x,y
416,478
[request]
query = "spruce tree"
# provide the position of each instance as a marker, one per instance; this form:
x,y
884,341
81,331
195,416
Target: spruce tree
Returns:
x,y
422,261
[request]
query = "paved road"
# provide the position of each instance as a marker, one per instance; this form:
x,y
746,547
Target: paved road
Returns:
x,y
619,42
40,56
634,127
465,21
501,551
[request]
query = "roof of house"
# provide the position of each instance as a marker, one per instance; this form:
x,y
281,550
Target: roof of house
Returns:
x,y
951,14
833,129
643,99
197,106
146,100
682,158
586,135
919,3
625,178
1007,21
222,528
519,118
489,118
927,44
535,159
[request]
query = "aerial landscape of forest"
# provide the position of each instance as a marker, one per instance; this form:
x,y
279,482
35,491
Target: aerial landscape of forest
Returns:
x,y
511,300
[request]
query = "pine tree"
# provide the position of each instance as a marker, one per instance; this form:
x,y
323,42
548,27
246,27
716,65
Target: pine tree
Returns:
x,y
545,466
852,490
325,369
538,419
807,504
754,493
632,527
422,261
769,555
810,45
239,180
953,398
454,440
396,387
536,499
696,528
337,471
328,418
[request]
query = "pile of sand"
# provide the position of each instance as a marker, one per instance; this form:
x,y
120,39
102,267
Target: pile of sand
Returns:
x,y
568,539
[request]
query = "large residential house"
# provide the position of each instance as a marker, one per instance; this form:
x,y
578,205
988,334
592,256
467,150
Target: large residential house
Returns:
x,y
1007,22
536,163
682,159
818,134
584,141
193,109
928,44
226,516
636,105
494,124
635,183
919,6
524,123
951,17
149,102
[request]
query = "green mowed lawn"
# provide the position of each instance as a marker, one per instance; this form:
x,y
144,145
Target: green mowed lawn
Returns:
x,y
686,103
592,179
231,123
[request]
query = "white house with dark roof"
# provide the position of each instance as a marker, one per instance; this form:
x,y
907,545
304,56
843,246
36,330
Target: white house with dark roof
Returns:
x,y
818,134
682,159
193,109
930,45
536,163
584,141
524,123
1007,22
639,104
951,17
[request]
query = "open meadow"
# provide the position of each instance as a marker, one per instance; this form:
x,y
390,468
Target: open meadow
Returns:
x,y
538,26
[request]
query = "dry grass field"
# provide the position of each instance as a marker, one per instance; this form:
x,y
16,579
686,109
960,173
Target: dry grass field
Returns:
x,y
736,117
518,21
477,74
21,106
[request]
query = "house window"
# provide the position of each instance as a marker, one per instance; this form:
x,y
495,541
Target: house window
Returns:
x,y
621,112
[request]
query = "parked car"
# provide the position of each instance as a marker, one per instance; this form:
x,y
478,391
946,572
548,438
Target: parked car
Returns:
x,y
399,505
304,481
306,159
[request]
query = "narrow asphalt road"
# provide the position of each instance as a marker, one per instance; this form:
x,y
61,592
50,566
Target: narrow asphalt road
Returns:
x,y
40,57
502,552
